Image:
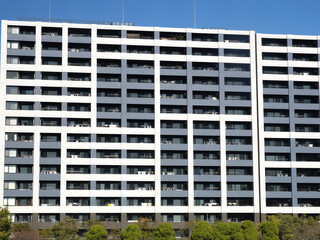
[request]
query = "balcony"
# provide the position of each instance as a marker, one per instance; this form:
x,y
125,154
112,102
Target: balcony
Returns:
x,y
173,65
141,154
108,169
305,71
51,46
304,43
50,31
78,47
50,153
49,169
239,186
205,110
20,75
140,108
20,45
205,52
108,154
51,61
140,79
174,202
50,106
140,139
173,36
238,67
305,57
110,202
108,217
275,70
18,153
204,37
110,123
207,202
272,42
165,170
283,202
108,63
49,185
308,172
278,187
173,50
74,169
277,157
174,155
232,81
241,202
109,138
75,202
239,156
109,48
108,185
77,32
140,93
140,35
140,49
140,64
108,78
79,77
168,186
20,60
206,155
236,38
19,105
236,53
78,153
212,186
140,186
102,33
80,62
78,107
78,122
173,80
140,170
274,56
17,201
205,80
23,30
173,109
19,137
205,66
140,123
206,171
78,185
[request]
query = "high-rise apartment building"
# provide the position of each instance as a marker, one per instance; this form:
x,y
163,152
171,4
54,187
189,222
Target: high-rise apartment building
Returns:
x,y
115,122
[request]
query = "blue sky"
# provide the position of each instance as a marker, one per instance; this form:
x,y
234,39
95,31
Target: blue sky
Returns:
x,y
264,16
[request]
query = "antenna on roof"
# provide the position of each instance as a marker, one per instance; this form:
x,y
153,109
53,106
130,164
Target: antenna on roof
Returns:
x,y
194,13
49,10
123,11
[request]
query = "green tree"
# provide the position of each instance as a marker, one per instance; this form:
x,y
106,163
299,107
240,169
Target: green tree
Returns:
x,y
221,231
202,231
5,223
147,228
131,232
235,231
96,232
269,230
87,225
20,227
65,230
249,230
164,231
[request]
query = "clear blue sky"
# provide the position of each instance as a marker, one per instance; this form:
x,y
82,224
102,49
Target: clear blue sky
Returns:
x,y
263,16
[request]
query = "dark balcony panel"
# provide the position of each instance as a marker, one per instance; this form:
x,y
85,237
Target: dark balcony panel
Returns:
x,y
239,155
236,53
278,187
240,202
50,122
140,35
23,45
206,155
305,71
277,142
51,76
46,201
308,172
308,187
21,90
205,110
172,170
79,107
78,138
144,154
140,108
236,96
168,94
238,140
79,47
51,61
51,31
19,105
176,36
273,42
76,201
173,109
275,84
174,202
110,202
145,202
108,78
49,169
20,60
140,49
50,153
78,153
174,186
274,56
205,51
237,81
78,122
79,77
76,169
133,217
275,98
105,217
49,185
307,157
276,113
103,33
306,128
108,138
108,122
277,157
304,43
275,70
132,93
106,92
238,186
203,37
83,92
78,185
50,137
239,217
108,154
173,79
279,202
206,171
207,202
79,32
278,172
239,171
238,110
80,218
276,127
140,78
238,125
111,63
306,113
83,62
50,106
108,169
205,80
209,140
205,66
236,38
305,57
19,137
109,48
173,65
51,91
19,121
173,50
140,64
133,123
24,30
176,139
204,186
306,85
49,218
20,75
142,186
174,155
140,139
51,46
140,170
238,67
308,202
173,124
